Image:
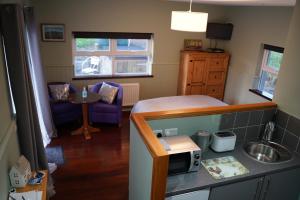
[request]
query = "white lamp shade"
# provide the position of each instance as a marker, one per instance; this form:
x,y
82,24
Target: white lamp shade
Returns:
x,y
189,21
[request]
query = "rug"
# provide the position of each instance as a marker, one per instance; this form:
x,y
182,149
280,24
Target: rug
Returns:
x,y
55,155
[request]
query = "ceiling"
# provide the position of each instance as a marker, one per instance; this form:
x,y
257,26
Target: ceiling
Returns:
x,y
245,2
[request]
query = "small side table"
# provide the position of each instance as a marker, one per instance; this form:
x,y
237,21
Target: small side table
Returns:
x,y
86,129
40,187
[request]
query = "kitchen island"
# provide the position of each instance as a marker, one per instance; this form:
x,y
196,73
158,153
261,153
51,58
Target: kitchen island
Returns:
x,y
148,169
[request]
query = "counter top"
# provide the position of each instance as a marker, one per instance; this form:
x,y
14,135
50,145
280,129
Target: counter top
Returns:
x,y
189,182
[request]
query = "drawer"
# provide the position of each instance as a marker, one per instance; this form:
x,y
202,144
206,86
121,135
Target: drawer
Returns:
x,y
216,77
214,90
217,63
217,96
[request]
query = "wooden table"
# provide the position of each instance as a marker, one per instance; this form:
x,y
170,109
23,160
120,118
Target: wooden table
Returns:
x,y
86,129
40,187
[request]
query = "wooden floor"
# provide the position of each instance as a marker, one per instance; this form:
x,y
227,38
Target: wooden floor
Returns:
x,y
94,169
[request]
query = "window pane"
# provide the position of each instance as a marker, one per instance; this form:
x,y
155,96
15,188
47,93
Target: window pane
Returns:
x,y
92,65
132,44
131,64
91,44
267,82
274,60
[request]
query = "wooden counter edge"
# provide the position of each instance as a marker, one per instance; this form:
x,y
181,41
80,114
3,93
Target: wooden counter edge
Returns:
x,y
41,187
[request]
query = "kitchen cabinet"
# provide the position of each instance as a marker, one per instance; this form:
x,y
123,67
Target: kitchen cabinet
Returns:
x,y
283,185
277,186
202,73
197,195
245,190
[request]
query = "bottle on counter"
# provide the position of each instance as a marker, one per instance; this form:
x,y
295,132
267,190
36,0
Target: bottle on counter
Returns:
x,y
84,92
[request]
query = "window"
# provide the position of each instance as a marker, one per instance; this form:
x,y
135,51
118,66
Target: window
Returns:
x,y
270,65
112,54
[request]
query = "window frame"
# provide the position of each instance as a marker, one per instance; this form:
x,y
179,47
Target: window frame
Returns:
x,y
113,52
263,67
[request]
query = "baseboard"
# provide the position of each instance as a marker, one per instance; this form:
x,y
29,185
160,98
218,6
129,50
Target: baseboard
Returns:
x,y
12,129
127,108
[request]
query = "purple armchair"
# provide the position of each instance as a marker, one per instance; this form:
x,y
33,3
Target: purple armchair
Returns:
x,y
104,112
64,111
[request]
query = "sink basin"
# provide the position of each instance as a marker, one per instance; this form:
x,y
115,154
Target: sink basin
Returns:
x,y
268,152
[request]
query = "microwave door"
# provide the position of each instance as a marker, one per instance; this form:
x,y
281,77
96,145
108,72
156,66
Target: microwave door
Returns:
x,y
179,163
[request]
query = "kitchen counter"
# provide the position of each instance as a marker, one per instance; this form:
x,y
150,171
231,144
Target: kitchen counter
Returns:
x,y
189,182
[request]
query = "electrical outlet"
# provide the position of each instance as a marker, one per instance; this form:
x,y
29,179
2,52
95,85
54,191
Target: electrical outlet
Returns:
x,y
158,133
171,132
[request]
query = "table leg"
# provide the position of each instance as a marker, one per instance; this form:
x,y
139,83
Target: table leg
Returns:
x,y
85,129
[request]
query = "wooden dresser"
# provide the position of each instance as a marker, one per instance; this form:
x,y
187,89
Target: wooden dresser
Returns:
x,y
203,73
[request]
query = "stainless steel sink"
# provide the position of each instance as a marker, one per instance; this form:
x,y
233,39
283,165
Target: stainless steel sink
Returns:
x,y
268,152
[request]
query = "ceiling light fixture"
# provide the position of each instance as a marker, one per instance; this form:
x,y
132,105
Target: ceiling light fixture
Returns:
x,y
189,21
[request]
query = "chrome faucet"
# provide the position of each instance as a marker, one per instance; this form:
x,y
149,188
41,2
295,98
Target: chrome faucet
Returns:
x,y
268,132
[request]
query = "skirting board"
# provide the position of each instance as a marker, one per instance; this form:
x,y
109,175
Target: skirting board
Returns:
x,y
12,129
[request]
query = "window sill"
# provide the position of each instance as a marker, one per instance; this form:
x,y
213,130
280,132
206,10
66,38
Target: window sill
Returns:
x,y
260,93
110,77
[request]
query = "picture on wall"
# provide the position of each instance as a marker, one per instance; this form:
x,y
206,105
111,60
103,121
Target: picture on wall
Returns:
x,y
53,32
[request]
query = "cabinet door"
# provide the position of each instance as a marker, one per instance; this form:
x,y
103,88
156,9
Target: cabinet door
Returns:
x,y
281,186
196,77
197,195
198,71
246,190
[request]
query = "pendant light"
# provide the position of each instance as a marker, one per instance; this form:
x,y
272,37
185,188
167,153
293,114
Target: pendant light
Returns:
x,y
189,21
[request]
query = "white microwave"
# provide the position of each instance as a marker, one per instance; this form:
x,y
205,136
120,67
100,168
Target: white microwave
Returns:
x,y
184,154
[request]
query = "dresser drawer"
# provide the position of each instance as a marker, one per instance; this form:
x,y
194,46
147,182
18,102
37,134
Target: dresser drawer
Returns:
x,y
217,96
215,77
217,63
214,90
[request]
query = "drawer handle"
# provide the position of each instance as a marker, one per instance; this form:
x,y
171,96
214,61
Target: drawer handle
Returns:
x,y
213,90
215,76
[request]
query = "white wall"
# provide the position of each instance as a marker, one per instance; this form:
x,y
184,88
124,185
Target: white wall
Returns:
x,y
120,16
253,26
287,93
9,147
140,167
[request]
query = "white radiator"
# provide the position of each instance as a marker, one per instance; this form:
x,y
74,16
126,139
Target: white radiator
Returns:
x,y
131,93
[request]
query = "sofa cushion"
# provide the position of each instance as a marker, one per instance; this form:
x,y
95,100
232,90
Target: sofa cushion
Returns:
x,y
108,93
104,107
60,92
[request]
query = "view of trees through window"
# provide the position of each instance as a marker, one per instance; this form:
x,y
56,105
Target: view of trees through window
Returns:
x,y
270,67
274,59
105,57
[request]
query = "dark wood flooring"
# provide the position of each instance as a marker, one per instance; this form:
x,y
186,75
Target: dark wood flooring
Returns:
x,y
94,169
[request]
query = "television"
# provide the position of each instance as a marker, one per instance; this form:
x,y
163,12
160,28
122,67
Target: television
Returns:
x,y
219,31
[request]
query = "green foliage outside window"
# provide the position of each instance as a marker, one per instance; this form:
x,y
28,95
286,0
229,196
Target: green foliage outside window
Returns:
x,y
92,44
274,60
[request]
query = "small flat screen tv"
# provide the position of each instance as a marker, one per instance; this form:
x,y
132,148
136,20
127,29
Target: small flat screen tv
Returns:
x,y
219,31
